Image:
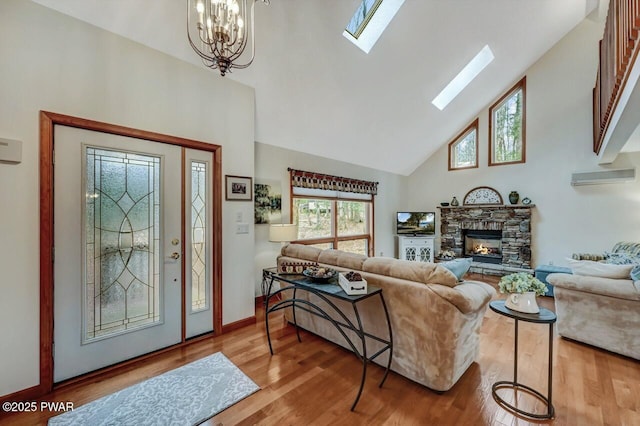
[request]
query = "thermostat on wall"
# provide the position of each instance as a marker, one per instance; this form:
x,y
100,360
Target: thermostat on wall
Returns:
x,y
10,151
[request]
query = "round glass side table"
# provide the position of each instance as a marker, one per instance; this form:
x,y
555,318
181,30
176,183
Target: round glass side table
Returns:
x,y
545,316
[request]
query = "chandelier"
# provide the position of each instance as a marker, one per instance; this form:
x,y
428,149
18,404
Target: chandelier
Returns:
x,y
218,33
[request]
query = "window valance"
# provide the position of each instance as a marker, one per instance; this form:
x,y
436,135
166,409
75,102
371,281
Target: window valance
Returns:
x,y
312,180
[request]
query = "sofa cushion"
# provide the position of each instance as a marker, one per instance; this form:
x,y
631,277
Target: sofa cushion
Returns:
x,y
619,288
468,296
342,258
598,269
459,267
301,251
426,273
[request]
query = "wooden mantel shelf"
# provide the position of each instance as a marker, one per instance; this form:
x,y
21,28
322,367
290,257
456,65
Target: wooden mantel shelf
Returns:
x,y
489,206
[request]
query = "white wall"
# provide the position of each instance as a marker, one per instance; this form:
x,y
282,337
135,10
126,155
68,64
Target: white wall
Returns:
x,y
559,138
56,63
272,163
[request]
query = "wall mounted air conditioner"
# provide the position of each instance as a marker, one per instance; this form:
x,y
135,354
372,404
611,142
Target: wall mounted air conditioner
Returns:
x,y
603,176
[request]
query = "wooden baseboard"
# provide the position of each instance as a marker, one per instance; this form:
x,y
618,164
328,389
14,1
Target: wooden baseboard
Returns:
x,y
23,395
238,324
38,391
260,300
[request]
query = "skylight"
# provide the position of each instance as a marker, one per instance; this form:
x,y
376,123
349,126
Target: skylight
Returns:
x,y
464,77
369,22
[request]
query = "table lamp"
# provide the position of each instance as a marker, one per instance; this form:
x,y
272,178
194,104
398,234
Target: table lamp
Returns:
x,y
283,232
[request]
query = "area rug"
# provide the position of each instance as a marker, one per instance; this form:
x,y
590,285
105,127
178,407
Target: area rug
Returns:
x,y
187,395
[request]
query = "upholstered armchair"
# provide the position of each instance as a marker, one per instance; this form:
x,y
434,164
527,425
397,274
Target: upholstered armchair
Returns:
x,y
599,304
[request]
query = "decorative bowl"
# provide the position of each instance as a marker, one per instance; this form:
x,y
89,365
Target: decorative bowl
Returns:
x,y
444,204
320,274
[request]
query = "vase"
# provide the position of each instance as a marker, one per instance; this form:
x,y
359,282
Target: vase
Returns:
x,y
454,202
514,197
523,302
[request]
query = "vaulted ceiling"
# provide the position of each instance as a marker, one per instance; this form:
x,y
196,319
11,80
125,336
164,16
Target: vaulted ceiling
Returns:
x,y
318,93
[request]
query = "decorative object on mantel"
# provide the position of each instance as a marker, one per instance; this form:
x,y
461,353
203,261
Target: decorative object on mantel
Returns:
x,y
526,201
444,204
218,31
482,195
514,197
455,202
523,289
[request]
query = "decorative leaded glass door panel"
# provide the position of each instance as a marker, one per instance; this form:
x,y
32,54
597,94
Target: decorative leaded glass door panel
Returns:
x,y
198,242
117,266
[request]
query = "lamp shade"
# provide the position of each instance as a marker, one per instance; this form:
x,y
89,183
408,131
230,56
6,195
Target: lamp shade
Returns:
x,y
283,232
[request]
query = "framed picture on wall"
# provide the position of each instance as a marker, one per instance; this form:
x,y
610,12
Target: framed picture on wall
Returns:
x,y
239,188
268,201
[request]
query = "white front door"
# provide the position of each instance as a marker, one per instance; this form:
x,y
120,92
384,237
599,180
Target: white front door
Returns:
x,y
117,255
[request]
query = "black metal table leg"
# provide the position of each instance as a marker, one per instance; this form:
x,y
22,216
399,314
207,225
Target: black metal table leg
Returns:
x,y
386,313
545,316
360,333
267,296
341,322
293,307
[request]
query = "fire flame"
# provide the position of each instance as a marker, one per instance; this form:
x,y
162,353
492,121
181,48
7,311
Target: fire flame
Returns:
x,y
480,249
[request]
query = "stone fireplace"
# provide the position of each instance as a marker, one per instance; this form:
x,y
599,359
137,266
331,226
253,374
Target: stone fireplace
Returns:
x,y
496,235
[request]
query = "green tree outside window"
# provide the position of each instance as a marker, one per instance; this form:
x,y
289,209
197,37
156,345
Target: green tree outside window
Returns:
x,y
507,127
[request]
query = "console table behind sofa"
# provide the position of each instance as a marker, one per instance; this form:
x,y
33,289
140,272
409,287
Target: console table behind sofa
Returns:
x,y
435,319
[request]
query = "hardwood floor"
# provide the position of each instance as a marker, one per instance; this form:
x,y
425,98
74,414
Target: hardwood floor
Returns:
x,y
314,382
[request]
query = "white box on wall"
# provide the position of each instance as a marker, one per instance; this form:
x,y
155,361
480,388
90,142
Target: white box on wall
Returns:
x,y
10,151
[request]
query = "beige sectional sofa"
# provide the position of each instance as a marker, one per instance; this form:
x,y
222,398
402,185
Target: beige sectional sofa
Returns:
x,y
435,319
603,312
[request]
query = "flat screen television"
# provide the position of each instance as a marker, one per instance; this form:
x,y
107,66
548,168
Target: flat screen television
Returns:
x,y
416,223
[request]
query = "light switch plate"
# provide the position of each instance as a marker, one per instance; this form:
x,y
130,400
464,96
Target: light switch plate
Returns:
x,y
242,228
10,151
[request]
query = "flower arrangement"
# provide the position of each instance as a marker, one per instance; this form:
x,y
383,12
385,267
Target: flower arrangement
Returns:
x,y
521,282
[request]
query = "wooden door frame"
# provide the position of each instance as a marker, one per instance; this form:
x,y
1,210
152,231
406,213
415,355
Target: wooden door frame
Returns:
x,y
47,122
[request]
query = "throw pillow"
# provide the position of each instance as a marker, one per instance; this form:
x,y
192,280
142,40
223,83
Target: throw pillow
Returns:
x,y
597,269
621,259
635,273
459,267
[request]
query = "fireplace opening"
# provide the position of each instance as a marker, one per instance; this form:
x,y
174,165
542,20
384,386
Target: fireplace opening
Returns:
x,y
483,245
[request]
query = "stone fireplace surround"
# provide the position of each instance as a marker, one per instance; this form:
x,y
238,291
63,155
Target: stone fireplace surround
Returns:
x,y
513,221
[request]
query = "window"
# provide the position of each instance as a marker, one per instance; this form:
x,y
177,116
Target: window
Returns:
x,y
464,77
369,22
122,230
199,243
361,18
507,127
463,150
333,212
